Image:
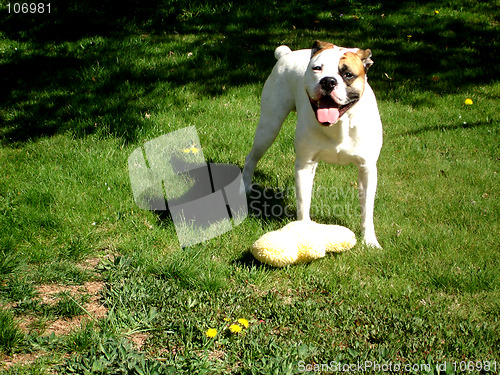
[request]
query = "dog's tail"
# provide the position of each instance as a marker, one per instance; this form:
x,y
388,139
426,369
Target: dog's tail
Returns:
x,y
281,51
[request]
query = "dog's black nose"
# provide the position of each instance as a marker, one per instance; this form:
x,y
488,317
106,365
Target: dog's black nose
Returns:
x,y
328,83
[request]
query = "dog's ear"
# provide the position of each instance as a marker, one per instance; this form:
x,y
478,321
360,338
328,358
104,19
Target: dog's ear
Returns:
x,y
318,46
365,56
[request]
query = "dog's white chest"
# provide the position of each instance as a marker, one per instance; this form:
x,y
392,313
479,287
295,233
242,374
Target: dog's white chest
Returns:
x,y
338,144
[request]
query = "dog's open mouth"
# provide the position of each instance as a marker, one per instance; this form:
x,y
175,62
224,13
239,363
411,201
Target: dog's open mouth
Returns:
x,y
327,111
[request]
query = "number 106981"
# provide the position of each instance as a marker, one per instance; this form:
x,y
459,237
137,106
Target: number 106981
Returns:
x,y
25,8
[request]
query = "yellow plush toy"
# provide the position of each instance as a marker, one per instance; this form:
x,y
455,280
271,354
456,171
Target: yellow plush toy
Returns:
x,y
301,242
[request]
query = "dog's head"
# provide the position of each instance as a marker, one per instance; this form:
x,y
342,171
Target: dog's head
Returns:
x,y
335,79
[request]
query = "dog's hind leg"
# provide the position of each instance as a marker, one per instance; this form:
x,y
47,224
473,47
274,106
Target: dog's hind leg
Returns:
x,y
276,103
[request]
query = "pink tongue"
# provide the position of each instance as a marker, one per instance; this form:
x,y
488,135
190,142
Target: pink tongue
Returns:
x,y
330,115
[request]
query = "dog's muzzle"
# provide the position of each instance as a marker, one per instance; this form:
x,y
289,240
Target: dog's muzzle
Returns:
x,y
327,110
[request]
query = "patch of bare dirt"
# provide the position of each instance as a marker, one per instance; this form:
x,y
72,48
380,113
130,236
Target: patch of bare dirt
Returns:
x,y
95,310
50,294
90,263
138,339
19,359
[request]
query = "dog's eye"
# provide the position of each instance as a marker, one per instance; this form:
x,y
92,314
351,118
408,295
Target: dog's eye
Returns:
x,y
317,68
348,76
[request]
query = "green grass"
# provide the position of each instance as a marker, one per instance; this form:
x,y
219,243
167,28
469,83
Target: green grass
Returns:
x,y
10,334
86,85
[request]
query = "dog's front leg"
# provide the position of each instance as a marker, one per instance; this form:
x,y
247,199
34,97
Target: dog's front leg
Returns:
x,y
367,186
304,178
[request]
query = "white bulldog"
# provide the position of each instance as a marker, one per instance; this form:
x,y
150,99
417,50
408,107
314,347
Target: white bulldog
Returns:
x,y
337,120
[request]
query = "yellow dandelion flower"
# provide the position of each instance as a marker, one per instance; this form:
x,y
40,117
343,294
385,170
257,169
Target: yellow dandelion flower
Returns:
x,y
243,322
436,12
212,332
234,328
193,149
227,319
468,101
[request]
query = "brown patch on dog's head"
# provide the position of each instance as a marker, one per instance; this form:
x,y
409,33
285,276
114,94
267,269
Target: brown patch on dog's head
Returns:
x,y
352,63
320,46
353,71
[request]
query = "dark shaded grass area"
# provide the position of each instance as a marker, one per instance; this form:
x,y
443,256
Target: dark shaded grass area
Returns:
x,y
56,87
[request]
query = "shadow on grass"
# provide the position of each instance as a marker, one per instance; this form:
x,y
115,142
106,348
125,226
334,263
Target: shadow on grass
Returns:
x,y
266,204
249,262
78,73
270,204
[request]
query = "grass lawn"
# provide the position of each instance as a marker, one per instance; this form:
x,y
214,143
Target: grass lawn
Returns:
x,y
91,283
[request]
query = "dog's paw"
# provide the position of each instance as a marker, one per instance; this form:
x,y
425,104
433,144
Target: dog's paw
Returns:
x,y
372,242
